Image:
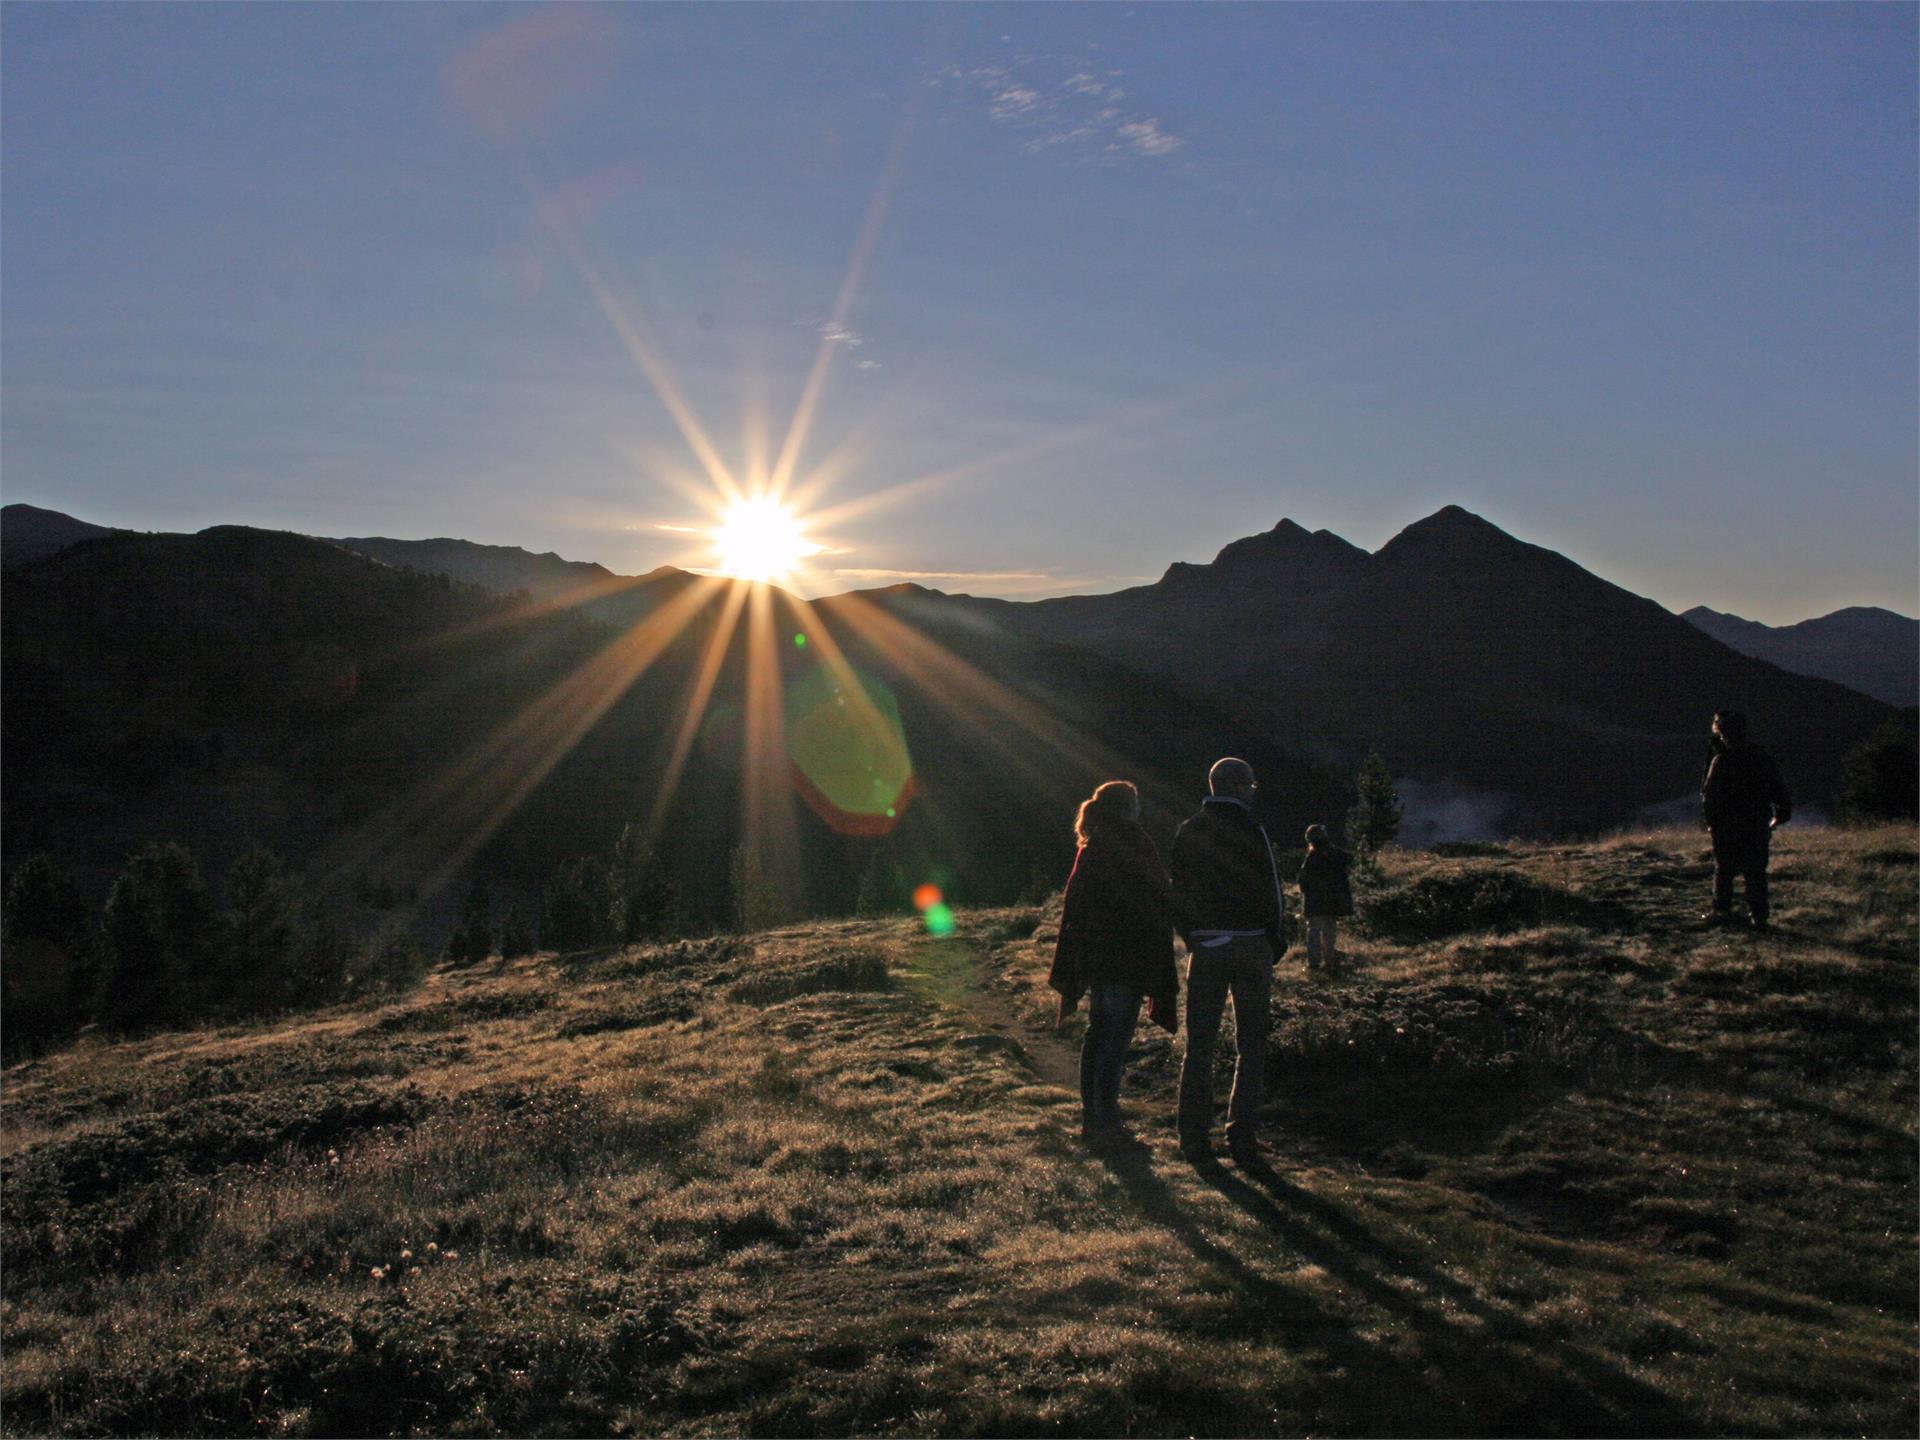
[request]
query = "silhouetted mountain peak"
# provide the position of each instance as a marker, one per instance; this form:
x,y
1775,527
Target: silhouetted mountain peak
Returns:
x,y
1289,554
1451,527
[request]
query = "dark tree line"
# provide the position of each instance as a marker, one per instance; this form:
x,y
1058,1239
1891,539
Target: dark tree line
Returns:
x,y
165,949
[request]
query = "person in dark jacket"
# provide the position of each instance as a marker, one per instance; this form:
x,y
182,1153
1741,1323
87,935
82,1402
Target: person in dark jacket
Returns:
x,y
1326,898
1226,892
1116,946
1743,800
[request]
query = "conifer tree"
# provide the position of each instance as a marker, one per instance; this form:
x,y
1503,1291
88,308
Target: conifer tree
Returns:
x,y
259,934
1374,822
161,932
50,974
472,939
516,935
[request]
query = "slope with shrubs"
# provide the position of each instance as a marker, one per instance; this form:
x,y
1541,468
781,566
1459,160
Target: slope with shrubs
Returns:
x,y
1553,1160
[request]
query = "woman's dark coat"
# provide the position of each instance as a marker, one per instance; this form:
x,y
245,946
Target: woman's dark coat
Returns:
x,y
1117,928
1325,892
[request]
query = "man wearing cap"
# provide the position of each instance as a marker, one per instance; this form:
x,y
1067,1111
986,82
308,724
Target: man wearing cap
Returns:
x,y
1226,891
1742,801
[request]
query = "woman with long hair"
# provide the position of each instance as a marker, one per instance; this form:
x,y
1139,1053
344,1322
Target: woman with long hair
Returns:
x,y
1116,946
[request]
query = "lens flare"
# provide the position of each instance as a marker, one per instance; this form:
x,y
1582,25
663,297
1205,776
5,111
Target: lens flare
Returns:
x,y
760,539
849,750
939,920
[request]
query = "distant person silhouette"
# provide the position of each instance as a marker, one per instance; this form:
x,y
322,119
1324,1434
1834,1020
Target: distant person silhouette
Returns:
x,y
1743,800
1116,945
1226,891
1326,898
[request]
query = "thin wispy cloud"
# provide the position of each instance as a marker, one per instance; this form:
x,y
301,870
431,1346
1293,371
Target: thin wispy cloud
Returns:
x,y
1147,138
1080,112
840,335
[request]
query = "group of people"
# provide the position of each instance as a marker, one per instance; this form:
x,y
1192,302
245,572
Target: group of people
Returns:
x,y
1220,890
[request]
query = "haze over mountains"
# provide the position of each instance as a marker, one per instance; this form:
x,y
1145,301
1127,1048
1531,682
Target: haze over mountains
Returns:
x,y
242,684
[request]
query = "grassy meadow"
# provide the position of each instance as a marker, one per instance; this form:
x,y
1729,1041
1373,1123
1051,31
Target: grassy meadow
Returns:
x,y
1553,1159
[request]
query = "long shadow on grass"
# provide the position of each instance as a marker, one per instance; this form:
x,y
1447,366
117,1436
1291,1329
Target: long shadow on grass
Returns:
x,y
1373,1402
1503,1376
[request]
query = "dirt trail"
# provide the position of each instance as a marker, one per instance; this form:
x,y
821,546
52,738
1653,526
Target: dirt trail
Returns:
x,y
958,974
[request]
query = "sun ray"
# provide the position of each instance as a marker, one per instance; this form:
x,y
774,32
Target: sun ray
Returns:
x,y
694,710
454,811
1001,718
803,413
564,224
770,832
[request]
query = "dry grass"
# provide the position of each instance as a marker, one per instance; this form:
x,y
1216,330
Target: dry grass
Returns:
x,y
1554,1160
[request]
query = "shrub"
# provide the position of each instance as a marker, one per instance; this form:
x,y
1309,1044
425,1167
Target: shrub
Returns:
x,y
1436,906
855,970
391,960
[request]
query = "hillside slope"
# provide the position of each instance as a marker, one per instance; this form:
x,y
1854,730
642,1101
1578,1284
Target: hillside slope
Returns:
x,y
1555,1162
1863,647
29,533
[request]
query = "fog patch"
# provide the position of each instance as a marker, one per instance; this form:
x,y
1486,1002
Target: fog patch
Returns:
x,y
1675,814
1437,812
1683,813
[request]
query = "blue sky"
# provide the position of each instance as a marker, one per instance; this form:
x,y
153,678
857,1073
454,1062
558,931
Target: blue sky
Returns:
x,y
1636,282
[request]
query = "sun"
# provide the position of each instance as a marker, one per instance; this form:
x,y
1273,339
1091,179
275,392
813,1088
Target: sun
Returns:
x,y
761,539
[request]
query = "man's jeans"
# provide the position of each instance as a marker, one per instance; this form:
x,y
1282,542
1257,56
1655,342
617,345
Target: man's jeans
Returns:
x,y
1112,1012
1244,969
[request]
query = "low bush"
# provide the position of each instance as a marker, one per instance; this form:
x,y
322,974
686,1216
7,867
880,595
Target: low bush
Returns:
x,y
1435,907
854,970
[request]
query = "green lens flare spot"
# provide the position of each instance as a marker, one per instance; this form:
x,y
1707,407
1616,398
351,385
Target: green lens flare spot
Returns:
x,y
939,920
800,639
892,814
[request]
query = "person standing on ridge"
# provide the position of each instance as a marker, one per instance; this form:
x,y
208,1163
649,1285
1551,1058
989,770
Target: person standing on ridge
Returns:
x,y
1226,891
1116,946
1743,801
1326,898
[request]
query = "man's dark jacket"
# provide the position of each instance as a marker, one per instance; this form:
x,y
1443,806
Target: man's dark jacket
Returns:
x,y
1117,925
1223,873
1742,796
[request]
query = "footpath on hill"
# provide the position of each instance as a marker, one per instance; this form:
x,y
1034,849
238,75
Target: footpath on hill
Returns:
x,y
1552,1161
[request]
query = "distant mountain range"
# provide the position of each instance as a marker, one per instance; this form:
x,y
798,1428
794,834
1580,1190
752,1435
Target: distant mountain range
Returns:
x,y
1863,647
242,684
1463,655
546,578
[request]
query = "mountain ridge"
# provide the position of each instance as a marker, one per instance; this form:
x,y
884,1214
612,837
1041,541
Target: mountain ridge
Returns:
x,y
1864,647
